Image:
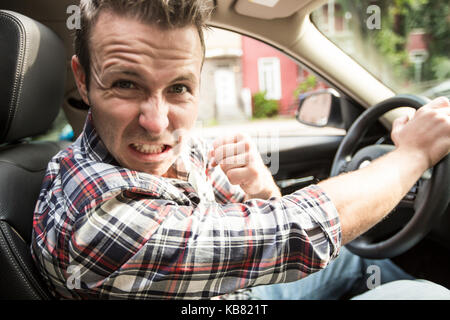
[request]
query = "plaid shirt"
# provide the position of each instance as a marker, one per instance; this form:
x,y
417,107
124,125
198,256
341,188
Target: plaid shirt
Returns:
x,y
108,232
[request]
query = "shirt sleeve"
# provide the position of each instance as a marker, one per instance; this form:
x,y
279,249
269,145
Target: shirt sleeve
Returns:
x,y
136,247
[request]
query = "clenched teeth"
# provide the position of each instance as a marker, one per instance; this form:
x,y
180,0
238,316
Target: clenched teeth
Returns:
x,y
148,148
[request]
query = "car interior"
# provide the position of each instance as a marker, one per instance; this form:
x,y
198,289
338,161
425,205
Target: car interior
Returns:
x,y
37,83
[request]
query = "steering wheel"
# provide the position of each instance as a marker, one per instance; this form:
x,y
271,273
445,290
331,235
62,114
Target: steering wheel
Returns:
x,y
428,199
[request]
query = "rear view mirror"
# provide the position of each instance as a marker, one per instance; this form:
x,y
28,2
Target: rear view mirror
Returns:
x,y
320,108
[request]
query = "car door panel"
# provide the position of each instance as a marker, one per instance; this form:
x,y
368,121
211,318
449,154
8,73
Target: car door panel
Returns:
x,y
300,160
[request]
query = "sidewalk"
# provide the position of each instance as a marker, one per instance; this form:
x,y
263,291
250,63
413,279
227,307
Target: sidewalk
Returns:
x,y
267,127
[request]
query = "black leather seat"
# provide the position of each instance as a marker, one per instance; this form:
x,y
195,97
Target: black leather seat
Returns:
x,y
32,77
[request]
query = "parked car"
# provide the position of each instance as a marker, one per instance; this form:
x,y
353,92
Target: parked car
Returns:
x,y
442,89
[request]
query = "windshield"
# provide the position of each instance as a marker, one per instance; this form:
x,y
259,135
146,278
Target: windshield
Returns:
x,y
404,43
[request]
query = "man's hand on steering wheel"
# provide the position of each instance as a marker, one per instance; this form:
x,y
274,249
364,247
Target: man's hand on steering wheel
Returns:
x,y
427,133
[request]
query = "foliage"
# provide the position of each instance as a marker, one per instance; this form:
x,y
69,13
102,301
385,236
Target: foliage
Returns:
x,y
307,85
263,107
441,67
399,18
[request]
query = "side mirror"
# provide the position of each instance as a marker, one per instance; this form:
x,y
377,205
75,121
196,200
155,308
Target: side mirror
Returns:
x,y
320,108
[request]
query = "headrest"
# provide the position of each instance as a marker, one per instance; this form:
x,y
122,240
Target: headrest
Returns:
x,y
32,76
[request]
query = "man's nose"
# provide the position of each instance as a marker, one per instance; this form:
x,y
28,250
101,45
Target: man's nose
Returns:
x,y
154,116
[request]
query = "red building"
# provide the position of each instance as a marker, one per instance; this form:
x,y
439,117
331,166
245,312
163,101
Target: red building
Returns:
x,y
266,69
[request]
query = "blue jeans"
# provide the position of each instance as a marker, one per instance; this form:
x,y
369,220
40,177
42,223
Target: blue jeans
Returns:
x,y
350,276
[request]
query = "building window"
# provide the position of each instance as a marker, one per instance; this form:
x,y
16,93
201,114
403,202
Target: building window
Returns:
x,y
269,77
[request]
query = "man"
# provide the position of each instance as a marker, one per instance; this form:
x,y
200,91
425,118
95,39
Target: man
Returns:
x,y
137,208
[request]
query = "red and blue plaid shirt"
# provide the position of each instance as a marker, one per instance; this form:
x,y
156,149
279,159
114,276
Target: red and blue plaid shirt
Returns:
x,y
108,232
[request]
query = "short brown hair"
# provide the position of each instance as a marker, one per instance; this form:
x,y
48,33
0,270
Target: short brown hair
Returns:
x,y
166,14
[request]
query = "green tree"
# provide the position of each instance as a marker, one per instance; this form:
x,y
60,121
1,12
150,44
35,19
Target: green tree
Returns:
x,y
403,16
307,85
263,107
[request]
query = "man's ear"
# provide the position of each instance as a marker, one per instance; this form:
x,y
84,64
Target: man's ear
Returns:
x,y
80,78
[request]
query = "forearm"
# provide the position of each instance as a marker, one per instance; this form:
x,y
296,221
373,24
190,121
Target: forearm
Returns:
x,y
365,196
271,190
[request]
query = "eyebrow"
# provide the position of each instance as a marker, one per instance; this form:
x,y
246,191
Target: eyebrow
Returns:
x,y
190,77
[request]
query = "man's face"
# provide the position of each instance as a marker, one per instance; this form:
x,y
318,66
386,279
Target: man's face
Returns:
x,y
143,91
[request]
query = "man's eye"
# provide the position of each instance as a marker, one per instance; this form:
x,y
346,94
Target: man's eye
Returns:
x,y
124,84
178,89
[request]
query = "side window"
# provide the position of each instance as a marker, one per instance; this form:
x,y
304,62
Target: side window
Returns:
x,y
249,86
